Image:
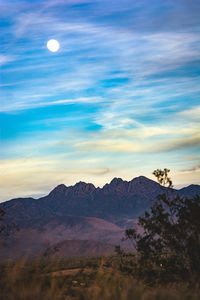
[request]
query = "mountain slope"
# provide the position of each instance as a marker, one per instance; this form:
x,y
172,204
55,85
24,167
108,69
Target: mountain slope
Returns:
x,y
119,199
58,228
190,191
78,247
40,234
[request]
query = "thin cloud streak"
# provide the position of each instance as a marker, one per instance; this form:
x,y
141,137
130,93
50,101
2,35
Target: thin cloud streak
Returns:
x,y
192,169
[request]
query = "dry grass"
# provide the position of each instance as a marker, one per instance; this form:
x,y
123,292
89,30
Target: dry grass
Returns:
x,y
81,279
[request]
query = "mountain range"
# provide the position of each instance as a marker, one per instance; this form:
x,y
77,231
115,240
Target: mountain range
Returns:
x,y
82,213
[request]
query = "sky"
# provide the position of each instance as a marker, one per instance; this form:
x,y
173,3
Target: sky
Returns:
x,y
119,99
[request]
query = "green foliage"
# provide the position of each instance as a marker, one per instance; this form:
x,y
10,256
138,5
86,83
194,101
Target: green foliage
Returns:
x,y
167,238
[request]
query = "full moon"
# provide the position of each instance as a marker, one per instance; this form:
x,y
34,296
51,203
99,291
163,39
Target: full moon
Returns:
x,y
53,45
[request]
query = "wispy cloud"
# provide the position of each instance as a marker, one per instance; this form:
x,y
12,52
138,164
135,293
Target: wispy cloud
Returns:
x,y
192,113
180,143
136,56
4,59
192,169
140,146
24,105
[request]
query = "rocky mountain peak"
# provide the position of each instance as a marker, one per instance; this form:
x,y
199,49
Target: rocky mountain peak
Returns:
x,y
60,189
117,185
142,180
84,187
116,181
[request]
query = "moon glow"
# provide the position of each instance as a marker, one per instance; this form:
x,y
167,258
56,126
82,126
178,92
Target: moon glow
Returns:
x,y
53,45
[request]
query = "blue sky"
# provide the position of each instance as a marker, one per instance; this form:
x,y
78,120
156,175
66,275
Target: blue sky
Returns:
x,y
119,99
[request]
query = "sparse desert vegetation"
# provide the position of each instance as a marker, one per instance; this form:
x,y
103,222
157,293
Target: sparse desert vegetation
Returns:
x,y
85,278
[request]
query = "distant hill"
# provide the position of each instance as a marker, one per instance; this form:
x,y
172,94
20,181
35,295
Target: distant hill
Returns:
x,y
77,248
44,233
189,191
58,228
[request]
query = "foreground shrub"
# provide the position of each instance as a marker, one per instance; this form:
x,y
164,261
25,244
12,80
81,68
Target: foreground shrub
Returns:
x,y
168,239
